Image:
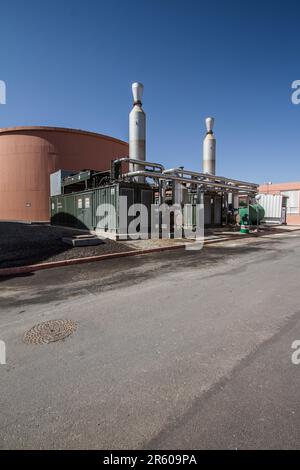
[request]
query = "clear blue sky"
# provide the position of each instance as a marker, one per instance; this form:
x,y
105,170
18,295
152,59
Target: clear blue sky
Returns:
x,y
71,63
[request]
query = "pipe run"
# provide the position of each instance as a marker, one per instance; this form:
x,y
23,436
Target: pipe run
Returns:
x,y
140,162
210,177
164,176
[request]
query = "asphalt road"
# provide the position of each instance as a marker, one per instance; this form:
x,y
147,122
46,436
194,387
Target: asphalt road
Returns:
x,y
172,350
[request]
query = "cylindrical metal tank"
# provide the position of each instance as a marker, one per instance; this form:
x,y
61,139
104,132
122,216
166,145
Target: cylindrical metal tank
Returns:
x,y
28,155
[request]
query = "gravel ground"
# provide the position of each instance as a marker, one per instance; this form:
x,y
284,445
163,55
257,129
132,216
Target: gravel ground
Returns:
x,y
23,244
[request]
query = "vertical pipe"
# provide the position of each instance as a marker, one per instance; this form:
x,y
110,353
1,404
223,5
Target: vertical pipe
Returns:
x,y
209,148
137,130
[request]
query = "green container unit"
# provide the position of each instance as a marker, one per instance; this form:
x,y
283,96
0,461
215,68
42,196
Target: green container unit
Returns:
x,y
100,209
250,216
112,208
73,210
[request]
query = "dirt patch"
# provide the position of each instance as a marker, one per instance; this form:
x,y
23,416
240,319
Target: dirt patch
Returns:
x,y
23,244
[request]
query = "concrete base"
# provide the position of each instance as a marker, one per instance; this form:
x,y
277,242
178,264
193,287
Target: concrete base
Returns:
x,y
83,240
102,233
123,237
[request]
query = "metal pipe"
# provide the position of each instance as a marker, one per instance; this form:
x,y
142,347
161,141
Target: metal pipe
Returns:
x,y
164,176
140,162
210,177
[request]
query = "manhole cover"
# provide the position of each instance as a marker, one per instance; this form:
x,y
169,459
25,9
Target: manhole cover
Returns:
x,y
50,331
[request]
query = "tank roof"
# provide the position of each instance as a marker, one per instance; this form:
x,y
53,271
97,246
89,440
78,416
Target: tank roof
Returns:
x,y
6,130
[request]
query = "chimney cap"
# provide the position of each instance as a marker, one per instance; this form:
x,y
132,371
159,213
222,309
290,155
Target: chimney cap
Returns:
x,y
137,91
209,122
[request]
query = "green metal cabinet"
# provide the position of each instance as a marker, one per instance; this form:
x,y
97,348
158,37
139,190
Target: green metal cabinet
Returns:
x,y
100,209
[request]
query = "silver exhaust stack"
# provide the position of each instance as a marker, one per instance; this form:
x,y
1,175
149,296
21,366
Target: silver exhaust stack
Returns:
x,y
209,148
137,130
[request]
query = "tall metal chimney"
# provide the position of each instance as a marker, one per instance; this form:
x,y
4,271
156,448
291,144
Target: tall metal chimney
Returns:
x,y
209,148
137,129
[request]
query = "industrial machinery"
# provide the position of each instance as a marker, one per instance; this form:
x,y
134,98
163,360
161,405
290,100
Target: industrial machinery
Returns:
x,y
251,214
92,200
100,209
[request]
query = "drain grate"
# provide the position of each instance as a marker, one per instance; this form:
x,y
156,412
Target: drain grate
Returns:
x,y
50,331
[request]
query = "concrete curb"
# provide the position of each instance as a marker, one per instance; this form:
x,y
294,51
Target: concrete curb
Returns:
x,y
5,272
89,259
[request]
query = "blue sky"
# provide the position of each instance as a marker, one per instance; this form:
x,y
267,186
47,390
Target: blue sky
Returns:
x,y
71,63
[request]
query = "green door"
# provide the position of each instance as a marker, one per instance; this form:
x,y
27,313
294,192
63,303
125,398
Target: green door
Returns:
x,y
84,204
87,210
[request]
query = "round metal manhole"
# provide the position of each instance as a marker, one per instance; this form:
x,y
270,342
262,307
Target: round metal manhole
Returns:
x,y
50,331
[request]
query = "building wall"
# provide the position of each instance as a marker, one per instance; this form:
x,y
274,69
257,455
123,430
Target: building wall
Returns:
x,y
287,189
29,154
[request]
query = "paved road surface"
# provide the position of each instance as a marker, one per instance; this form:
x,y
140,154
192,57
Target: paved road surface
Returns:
x,y
173,350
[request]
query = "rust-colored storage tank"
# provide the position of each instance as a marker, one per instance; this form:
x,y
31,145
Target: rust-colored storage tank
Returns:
x,y
28,155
